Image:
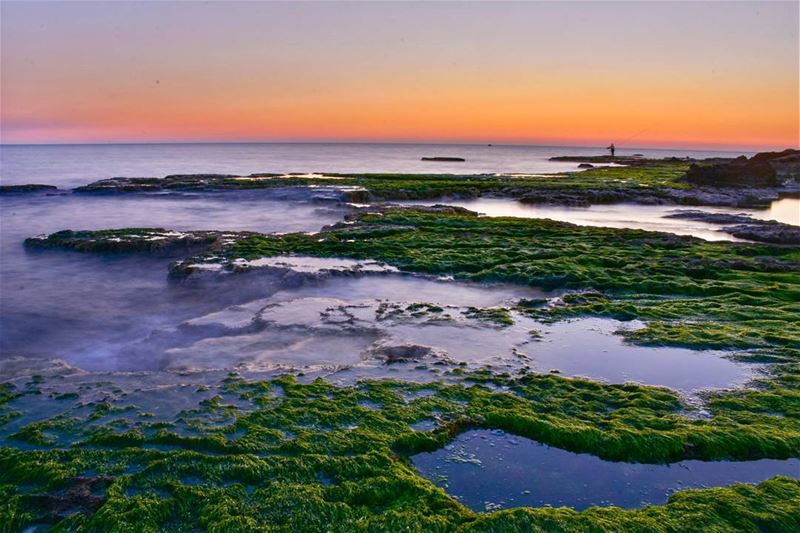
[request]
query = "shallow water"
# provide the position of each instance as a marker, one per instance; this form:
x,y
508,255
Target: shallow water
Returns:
x,y
488,470
357,320
589,347
634,216
120,313
163,396
330,321
86,306
786,210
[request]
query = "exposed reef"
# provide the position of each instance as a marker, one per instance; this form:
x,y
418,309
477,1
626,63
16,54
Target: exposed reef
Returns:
x,y
699,293
747,227
628,160
445,159
133,240
173,182
28,188
633,179
739,182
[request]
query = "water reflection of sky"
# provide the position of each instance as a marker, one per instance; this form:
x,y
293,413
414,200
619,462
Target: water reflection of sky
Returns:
x,y
487,470
646,217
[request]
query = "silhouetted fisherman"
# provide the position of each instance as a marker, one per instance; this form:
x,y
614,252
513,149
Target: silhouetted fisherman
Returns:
x,y
612,148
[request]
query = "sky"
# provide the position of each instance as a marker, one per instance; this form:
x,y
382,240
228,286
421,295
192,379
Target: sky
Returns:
x,y
660,74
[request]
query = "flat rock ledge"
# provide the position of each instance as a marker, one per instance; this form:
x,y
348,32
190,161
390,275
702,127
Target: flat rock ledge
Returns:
x,y
745,227
696,196
331,191
27,188
181,182
176,182
132,240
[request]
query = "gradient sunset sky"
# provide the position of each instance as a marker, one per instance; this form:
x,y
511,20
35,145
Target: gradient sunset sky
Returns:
x,y
715,74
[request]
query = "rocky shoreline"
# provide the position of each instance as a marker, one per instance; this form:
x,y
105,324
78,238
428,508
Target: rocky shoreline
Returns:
x,y
344,449
27,188
719,182
700,196
741,182
746,227
134,240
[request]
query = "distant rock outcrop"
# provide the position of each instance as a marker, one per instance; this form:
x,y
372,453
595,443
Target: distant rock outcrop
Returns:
x,y
30,187
766,169
173,182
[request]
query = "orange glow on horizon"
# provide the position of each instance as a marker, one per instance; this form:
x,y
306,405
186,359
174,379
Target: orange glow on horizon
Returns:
x,y
415,84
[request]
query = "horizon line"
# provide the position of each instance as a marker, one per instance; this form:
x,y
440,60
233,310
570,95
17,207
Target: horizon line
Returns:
x,y
711,148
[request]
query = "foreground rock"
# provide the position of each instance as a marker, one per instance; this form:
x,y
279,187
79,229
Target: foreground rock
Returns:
x,y
28,188
173,182
401,353
133,240
746,227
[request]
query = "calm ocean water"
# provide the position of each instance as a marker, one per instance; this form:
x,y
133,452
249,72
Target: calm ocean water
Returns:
x,y
72,165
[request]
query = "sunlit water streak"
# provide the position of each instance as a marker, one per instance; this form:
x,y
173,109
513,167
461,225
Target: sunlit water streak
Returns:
x,y
635,216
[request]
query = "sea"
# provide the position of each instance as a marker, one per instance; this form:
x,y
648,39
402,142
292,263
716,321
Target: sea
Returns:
x,y
67,166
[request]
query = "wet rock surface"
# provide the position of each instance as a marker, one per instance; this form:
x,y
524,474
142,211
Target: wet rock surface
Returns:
x,y
747,227
175,182
133,240
401,353
710,196
365,188
84,495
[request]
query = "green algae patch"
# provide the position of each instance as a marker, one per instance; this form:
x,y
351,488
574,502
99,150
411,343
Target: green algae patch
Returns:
x,y
769,506
320,456
495,315
124,240
651,179
692,292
